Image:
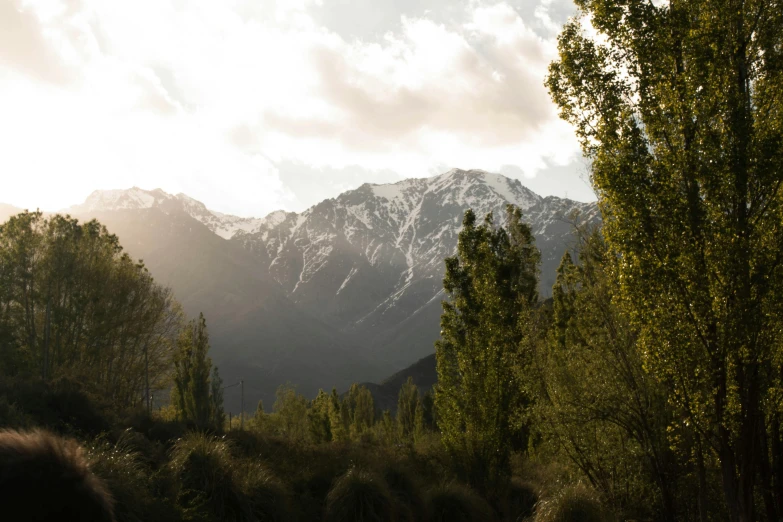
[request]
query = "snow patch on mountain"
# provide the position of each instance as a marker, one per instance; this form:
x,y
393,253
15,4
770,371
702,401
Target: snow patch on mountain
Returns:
x,y
129,199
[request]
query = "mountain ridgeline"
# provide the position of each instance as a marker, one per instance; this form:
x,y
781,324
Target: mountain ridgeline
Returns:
x,y
348,290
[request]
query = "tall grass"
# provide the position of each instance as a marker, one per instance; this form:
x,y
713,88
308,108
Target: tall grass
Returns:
x,y
410,503
204,470
267,497
458,503
573,504
130,482
359,496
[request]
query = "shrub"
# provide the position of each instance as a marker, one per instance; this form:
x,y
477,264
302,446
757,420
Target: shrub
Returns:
x,y
359,496
62,405
457,503
406,493
574,504
268,498
519,502
204,471
11,416
127,478
157,428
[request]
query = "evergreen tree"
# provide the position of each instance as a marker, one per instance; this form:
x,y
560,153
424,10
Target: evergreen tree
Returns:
x,y
492,288
678,104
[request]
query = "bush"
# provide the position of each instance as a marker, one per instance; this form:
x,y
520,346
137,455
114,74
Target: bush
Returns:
x,y
127,478
575,504
12,417
204,471
406,493
359,496
268,498
157,428
63,405
456,503
519,502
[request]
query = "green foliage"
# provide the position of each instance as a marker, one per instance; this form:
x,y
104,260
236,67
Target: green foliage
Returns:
x,y
357,411
410,504
191,393
387,428
290,417
359,496
598,405
425,421
456,503
62,405
337,423
318,418
129,479
485,344
519,502
216,400
268,497
408,407
576,504
678,104
73,304
204,469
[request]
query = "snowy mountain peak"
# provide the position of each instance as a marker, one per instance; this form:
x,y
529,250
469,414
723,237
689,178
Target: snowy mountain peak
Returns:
x,y
135,198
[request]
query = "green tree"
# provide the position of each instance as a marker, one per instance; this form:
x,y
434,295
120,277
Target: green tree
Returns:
x,y
319,419
492,288
408,407
598,404
336,422
216,398
424,421
191,393
363,414
290,413
387,428
72,303
260,418
679,107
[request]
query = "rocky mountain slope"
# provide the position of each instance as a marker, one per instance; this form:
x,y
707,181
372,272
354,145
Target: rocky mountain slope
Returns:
x,y
371,260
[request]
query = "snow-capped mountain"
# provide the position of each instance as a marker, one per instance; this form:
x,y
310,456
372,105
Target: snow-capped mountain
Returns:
x,y
370,261
224,225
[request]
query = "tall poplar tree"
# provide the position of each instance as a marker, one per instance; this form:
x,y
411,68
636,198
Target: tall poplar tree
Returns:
x,y
408,404
192,399
492,287
679,105
216,400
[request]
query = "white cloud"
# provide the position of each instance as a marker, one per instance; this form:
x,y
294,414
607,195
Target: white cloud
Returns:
x,y
207,97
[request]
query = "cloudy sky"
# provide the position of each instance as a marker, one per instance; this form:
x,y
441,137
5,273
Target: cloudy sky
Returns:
x,y
255,105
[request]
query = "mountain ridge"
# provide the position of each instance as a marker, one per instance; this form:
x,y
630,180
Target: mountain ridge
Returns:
x,y
346,290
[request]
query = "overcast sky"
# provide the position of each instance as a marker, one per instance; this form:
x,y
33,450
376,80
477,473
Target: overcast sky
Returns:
x,y
255,105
